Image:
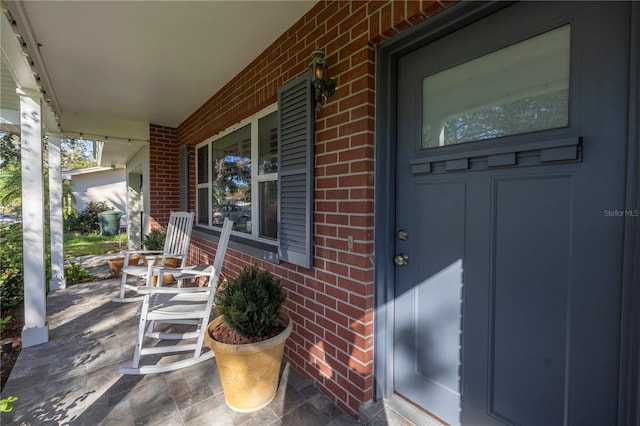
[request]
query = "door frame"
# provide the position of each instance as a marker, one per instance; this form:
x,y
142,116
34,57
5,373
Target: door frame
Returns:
x,y
387,55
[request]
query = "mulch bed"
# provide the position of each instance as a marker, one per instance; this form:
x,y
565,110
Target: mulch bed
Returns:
x,y
12,330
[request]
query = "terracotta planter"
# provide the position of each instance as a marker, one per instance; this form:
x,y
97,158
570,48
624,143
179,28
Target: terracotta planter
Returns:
x,y
115,265
170,262
249,373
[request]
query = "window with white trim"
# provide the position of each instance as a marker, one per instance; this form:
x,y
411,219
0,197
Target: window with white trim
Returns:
x,y
237,177
259,173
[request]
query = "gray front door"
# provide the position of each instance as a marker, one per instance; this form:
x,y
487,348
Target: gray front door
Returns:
x,y
510,180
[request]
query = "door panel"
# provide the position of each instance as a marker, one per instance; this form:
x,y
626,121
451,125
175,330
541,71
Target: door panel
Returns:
x,y
428,333
530,287
514,270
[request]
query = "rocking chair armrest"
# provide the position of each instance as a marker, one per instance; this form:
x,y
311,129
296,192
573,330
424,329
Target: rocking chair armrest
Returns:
x,y
170,290
162,257
191,271
166,255
161,253
151,252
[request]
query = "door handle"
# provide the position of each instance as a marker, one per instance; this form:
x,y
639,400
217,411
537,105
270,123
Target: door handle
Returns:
x,y
401,259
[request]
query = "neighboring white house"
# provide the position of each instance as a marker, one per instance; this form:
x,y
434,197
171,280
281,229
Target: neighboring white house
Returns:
x,y
98,184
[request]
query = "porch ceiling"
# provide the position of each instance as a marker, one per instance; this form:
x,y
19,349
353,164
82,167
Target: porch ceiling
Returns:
x,y
140,62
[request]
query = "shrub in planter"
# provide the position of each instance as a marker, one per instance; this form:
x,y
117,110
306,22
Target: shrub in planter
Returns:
x,y
251,303
248,338
154,240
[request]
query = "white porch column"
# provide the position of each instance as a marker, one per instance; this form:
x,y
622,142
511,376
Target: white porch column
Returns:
x,y
35,329
55,214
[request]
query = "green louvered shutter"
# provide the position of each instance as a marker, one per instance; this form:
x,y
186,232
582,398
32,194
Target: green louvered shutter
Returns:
x,y
295,174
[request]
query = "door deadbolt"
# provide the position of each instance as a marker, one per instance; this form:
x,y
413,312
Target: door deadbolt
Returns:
x,y
401,260
403,235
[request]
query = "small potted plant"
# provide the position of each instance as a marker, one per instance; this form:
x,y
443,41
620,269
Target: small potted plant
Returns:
x,y
154,240
116,264
248,338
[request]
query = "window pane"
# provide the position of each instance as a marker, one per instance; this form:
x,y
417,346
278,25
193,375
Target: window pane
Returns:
x,y
203,164
269,209
521,88
231,186
268,144
203,206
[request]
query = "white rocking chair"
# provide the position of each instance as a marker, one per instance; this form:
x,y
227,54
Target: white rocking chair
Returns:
x,y
176,245
186,305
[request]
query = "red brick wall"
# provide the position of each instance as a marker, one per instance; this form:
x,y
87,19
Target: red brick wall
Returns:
x,y
331,304
164,178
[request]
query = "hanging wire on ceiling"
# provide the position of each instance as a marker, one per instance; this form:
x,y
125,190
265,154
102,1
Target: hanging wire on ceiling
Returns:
x,y
105,138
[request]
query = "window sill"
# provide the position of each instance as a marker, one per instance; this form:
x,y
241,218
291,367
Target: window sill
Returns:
x,y
258,249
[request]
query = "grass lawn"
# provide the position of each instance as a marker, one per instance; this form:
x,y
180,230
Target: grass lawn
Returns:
x,y
91,244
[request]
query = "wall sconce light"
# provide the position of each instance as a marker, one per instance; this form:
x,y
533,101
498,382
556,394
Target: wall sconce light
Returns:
x,y
323,86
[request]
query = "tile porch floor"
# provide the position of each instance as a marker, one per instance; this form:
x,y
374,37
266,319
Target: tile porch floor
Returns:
x,y
74,379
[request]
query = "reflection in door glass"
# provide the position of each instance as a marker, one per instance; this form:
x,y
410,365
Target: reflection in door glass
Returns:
x,y
518,89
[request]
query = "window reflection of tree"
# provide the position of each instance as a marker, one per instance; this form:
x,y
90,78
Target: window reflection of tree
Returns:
x,y
233,174
546,111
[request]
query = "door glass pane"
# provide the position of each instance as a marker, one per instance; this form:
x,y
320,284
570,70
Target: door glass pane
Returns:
x,y
231,180
268,144
519,89
269,209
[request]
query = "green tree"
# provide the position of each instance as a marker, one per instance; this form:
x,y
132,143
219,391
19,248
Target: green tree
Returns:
x,y
11,175
10,172
9,148
11,185
76,153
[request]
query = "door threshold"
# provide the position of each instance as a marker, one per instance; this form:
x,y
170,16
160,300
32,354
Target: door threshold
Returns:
x,y
396,410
